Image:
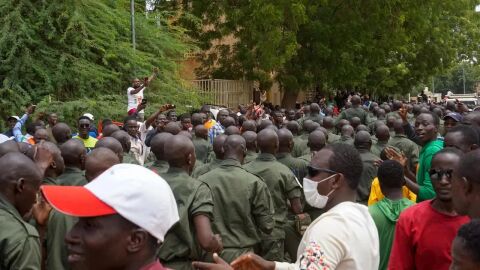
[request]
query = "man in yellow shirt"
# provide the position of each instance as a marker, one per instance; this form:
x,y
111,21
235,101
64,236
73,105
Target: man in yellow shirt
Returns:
x,y
83,135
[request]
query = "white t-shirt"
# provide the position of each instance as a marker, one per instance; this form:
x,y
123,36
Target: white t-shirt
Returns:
x,y
344,238
135,99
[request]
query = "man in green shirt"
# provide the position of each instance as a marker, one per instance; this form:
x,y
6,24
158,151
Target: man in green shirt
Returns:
x,y
284,155
283,187
425,134
157,146
218,151
383,136
316,141
74,154
201,143
19,241
192,236
251,140
299,143
83,135
408,147
363,143
243,205
329,124
385,213
355,111
347,135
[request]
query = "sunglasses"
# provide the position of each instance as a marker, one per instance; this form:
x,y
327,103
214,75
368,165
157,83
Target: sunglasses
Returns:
x,y
85,126
314,171
438,174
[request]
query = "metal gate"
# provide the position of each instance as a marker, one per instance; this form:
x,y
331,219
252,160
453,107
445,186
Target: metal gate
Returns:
x,y
228,93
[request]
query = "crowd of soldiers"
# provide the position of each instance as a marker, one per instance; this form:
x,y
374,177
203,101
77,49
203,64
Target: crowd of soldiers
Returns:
x,y
378,186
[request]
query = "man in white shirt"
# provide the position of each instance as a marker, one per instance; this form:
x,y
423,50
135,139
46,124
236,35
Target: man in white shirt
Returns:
x,y
344,237
135,93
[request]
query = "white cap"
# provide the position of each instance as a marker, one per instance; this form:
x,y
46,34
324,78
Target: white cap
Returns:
x,y
132,191
15,117
89,115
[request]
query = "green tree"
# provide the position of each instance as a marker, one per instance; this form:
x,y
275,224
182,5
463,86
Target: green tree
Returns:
x,y
77,56
375,46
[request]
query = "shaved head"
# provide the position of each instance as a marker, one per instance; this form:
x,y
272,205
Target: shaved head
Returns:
x,y
267,141
19,184
98,161
124,139
201,132
249,125
316,140
231,130
218,144
347,131
363,140
112,144
40,134
180,152
228,121
74,153
251,140
235,147
185,133
58,165
108,130
398,127
61,132
362,128
383,133
328,122
355,122
293,126
285,140
172,128
356,100
8,147
157,145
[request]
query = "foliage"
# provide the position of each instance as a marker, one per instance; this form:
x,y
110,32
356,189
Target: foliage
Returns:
x,y
452,79
79,56
378,46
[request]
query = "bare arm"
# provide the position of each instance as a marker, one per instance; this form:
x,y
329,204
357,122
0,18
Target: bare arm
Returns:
x,y
205,237
136,90
296,205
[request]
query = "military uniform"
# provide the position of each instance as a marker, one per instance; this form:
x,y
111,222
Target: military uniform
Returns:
x,y
408,147
72,176
299,145
19,241
332,137
315,118
243,208
159,166
129,158
283,186
57,253
346,140
202,149
201,170
296,165
49,181
353,112
307,157
193,198
369,172
250,156
394,114
378,147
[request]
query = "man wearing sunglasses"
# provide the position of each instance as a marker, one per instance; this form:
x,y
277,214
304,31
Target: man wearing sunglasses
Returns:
x,y
425,231
83,133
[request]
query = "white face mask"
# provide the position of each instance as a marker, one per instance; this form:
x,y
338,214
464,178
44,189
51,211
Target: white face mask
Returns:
x,y
312,196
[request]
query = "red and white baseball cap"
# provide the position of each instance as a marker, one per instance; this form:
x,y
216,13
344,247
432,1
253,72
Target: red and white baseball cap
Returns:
x,y
132,191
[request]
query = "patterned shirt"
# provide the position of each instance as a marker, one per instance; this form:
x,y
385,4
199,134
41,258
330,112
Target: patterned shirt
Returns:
x,y
215,130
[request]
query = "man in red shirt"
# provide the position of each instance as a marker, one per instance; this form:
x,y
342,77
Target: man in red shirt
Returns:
x,y
122,218
424,232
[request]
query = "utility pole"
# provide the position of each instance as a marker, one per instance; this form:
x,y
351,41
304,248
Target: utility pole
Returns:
x,y
132,22
463,71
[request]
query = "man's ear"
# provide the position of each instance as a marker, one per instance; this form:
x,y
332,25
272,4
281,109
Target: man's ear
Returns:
x,y
137,240
20,185
338,181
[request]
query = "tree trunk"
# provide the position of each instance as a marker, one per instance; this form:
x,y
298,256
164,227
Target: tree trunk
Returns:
x,y
289,99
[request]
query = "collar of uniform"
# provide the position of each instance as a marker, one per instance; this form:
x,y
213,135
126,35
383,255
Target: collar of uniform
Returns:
x,y
283,155
230,162
361,150
7,206
49,181
345,138
161,163
266,157
176,170
71,169
400,136
382,143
